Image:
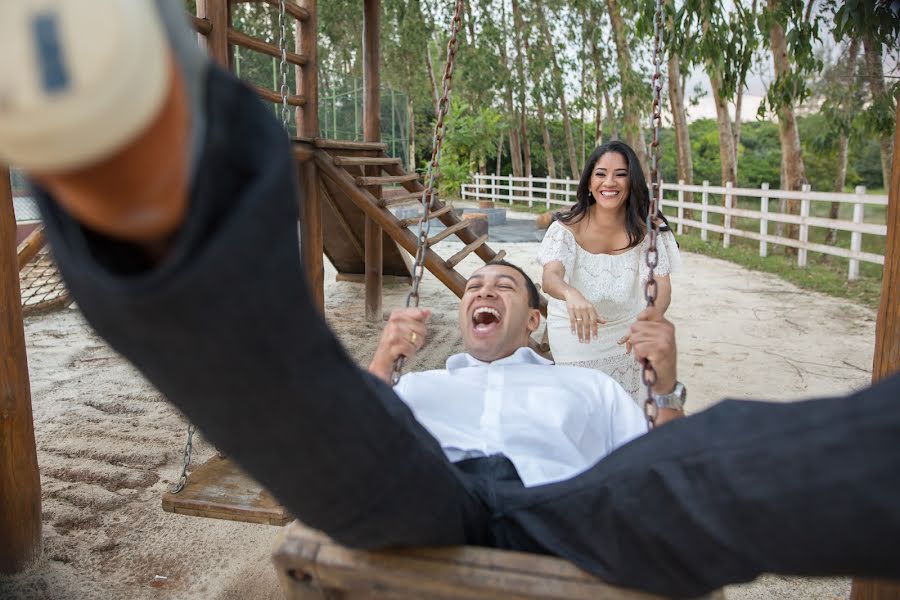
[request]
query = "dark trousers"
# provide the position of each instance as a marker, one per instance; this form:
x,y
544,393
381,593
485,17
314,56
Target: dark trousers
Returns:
x,y
225,328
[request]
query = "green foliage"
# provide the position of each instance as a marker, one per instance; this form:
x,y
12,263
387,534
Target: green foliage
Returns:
x,y
469,138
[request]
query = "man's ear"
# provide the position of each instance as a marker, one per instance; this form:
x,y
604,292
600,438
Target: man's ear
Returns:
x,y
534,319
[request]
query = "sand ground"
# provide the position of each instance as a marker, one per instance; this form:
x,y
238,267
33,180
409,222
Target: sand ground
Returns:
x,y
109,445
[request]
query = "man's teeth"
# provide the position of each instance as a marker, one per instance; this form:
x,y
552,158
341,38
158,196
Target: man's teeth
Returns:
x,y
486,309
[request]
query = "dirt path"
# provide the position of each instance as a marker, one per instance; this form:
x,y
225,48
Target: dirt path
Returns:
x,y
109,445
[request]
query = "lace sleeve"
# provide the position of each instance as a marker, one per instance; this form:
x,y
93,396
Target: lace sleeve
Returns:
x,y
669,256
558,244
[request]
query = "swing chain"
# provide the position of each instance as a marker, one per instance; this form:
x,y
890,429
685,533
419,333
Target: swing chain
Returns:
x,y
284,111
648,374
186,461
428,195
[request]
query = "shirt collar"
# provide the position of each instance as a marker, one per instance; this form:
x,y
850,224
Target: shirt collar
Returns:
x,y
522,356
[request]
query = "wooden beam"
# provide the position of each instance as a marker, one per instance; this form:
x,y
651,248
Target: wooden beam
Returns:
x,y
372,133
290,7
887,338
348,145
311,235
459,256
245,41
386,180
275,97
218,15
307,76
439,210
20,483
365,160
201,26
365,201
30,246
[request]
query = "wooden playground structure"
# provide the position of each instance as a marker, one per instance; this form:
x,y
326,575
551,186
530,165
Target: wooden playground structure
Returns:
x,y
350,187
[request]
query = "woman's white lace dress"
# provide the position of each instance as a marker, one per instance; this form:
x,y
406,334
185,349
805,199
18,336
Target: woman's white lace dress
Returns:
x,y
614,284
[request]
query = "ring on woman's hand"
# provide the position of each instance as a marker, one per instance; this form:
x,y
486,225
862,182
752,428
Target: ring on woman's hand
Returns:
x,y
413,337
579,319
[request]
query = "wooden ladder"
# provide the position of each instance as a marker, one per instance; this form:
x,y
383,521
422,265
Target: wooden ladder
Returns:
x,y
347,167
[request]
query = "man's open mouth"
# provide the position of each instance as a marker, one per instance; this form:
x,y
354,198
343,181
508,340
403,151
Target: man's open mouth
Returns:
x,y
485,319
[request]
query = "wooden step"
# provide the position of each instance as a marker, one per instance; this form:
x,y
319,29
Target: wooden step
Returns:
x,y
433,215
386,180
349,145
448,232
459,256
363,161
398,199
500,256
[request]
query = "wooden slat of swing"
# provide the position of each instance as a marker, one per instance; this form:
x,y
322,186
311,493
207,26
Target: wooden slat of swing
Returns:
x,y
311,565
218,489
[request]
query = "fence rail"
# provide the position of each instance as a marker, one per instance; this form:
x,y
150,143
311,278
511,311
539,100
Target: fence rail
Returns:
x,y
680,198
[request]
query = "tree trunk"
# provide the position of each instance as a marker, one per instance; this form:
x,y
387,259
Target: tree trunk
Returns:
x,y
556,77
431,79
411,134
840,179
611,116
726,133
630,87
794,171
876,86
520,36
598,118
548,147
684,158
515,148
499,154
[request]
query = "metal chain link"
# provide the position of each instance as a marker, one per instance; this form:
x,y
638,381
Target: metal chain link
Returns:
x,y
428,195
186,461
285,112
648,373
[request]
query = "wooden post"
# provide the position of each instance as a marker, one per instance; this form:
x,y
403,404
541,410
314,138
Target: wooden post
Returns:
x,y
219,16
372,133
726,221
855,236
887,338
763,222
20,483
704,214
804,227
307,76
307,118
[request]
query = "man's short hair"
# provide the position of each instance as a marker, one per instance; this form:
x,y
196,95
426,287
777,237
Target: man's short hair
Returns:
x,y
534,298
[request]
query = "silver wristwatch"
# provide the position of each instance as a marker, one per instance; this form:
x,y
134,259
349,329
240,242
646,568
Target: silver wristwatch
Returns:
x,y
674,399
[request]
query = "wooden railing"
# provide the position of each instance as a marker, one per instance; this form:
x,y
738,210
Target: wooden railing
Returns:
x,y
213,23
682,212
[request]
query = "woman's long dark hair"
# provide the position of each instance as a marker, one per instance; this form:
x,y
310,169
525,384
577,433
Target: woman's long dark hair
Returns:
x,y
637,204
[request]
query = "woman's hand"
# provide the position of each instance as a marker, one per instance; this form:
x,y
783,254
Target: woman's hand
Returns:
x,y
583,318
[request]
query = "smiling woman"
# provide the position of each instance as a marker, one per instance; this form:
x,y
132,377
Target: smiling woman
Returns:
x,y
594,269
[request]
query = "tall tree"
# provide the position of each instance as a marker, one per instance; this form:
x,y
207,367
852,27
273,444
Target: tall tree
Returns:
x,y
683,157
789,88
876,23
633,92
556,77
521,37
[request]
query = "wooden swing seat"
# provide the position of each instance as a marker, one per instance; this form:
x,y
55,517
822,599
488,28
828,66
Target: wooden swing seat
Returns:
x,y
218,489
310,565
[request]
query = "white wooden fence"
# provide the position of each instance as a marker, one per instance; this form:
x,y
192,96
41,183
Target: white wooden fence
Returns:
x,y
561,192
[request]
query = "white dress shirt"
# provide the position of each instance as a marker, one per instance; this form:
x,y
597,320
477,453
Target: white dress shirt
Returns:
x,y
552,422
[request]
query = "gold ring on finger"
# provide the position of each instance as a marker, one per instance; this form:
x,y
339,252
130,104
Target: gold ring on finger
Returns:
x,y
413,337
